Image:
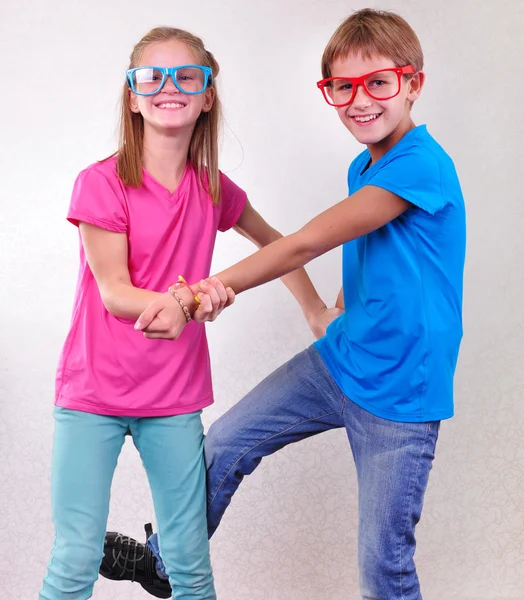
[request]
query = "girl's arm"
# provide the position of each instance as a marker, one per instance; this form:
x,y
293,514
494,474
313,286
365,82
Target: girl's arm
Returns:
x,y
107,255
340,300
253,227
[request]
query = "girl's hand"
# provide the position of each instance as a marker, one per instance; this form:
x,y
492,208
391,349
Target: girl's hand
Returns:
x,y
163,319
318,322
214,297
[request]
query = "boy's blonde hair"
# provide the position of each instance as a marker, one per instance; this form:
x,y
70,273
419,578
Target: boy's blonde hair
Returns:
x,y
203,149
374,33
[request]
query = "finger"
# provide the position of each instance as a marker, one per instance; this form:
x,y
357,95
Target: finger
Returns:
x,y
205,308
212,303
195,288
159,335
221,290
219,297
145,319
212,292
230,296
157,325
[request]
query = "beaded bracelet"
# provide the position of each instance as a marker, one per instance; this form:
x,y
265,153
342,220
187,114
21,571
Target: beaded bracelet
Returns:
x,y
187,314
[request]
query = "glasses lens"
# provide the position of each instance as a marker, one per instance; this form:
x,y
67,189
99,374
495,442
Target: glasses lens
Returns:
x,y
147,80
383,85
338,91
191,80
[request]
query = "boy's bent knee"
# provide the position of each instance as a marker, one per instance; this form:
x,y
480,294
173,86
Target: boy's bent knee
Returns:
x,y
219,439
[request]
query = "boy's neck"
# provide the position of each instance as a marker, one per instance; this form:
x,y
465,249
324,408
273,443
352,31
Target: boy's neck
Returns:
x,y
377,151
165,156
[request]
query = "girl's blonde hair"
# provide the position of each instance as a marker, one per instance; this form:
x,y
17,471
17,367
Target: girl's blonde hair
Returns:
x,y
203,148
373,33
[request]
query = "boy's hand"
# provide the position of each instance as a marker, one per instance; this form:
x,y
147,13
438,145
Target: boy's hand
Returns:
x,y
162,319
214,297
318,322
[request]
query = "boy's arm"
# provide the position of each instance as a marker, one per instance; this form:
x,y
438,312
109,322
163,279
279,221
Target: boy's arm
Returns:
x,y
363,212
368,209
253,227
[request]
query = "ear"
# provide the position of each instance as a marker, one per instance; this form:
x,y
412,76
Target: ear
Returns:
x,y
209,98
133,102
415,85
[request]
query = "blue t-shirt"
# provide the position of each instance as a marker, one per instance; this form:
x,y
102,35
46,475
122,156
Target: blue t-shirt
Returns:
x,y
395,348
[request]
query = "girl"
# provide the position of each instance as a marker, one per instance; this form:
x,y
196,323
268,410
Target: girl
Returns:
x,y
147,215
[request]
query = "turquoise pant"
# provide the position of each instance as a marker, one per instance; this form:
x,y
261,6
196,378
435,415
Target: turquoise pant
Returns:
x,y
85,454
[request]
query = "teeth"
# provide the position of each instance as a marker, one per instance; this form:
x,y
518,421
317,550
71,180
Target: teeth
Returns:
x,y
366,119
171,105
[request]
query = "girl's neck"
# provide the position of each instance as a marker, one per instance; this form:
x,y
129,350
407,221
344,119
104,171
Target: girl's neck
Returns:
x,y
165,156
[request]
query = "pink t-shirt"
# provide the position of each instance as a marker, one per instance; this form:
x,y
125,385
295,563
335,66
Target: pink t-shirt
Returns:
x,y
106,367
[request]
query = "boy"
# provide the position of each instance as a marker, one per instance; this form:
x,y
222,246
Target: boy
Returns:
x,y
384,369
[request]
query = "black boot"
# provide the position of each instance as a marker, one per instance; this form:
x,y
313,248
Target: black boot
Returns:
x,y
125,559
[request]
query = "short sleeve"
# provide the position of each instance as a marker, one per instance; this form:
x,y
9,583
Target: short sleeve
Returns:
x,y
233,202
414,175
98,199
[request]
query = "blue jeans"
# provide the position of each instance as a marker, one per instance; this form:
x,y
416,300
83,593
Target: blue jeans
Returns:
x,y
85,453
392,459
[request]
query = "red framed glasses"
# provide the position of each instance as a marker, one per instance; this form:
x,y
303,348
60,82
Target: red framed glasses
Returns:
x,y
379,85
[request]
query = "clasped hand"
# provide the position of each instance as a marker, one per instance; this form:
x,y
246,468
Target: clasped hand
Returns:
x,y
165,319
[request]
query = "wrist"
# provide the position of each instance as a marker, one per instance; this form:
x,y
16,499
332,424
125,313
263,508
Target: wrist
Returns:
x,y
173,293
187,298
313,311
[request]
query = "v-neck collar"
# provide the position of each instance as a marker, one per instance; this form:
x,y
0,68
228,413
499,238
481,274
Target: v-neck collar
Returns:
x,y
371,167
162,191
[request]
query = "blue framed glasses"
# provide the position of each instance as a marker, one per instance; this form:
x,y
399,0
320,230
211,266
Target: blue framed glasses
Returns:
x,y
188,79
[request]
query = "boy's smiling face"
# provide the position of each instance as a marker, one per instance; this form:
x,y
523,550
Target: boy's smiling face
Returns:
x,y
379,124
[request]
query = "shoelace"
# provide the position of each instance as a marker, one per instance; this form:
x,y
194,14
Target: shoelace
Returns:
x,y
127,554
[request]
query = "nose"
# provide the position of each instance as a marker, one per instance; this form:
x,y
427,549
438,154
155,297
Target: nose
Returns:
x,y
361,99
169,86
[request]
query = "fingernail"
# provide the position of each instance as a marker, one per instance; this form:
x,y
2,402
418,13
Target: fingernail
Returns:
x,y
138,325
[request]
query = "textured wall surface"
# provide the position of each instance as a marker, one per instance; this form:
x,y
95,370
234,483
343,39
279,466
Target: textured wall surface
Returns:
x,y
290,533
